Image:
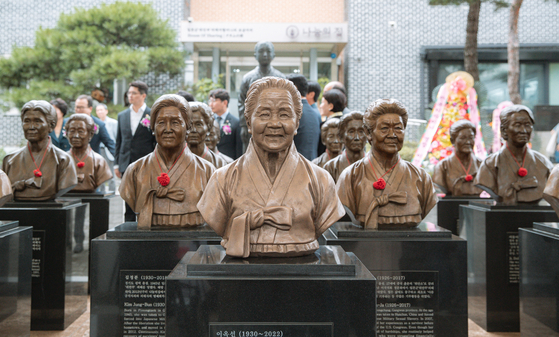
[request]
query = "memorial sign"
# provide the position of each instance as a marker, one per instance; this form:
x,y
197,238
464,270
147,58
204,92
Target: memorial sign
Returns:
x,y
38,259
272,329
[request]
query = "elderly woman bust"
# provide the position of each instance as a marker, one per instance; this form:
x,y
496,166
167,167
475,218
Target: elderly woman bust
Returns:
x,y
271,201
331,139
382,190
91,167
515,174
164,186
202,121
39,171
352,133
455,174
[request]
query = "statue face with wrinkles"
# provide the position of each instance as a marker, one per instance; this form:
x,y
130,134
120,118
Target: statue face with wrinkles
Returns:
x,y
170,127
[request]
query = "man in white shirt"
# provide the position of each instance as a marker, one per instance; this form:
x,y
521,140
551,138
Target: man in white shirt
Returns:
x,y
230,143
134,138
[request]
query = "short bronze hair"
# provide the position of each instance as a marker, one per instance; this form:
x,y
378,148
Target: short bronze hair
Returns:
x,y
459,126
257,87
43,106
382,107
344,121
171,100
205,111
332,123
89,123
506,114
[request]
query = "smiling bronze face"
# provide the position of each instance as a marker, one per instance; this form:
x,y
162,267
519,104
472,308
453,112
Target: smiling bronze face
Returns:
x,y
274,123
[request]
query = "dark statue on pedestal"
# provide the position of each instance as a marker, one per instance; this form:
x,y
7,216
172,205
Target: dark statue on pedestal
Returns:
x,y
329,135
164,186
6,193
381,190
271,201
515,174
455,174
202,122
264,54
91,167
39,171
213,139
352,133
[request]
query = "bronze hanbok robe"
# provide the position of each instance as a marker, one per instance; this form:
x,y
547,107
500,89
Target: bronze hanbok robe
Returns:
x,y
59,174
227,159
95,172
408,197
321,160
174,204
451,177
256,217
213,158
6,193
498,175
337,165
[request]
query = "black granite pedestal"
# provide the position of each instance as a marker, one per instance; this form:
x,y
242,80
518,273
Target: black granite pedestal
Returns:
x,y
129,266
15,279
493,260
329,293
421,277
448,211
59,277
539,280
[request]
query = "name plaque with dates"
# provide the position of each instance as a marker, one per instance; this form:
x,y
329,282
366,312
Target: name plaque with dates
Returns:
x,y
274,329
38,259
407,303
513,257
142,302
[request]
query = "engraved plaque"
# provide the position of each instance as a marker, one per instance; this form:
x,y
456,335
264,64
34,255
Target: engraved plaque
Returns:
x,y
513,257
322,329
407,303
38,260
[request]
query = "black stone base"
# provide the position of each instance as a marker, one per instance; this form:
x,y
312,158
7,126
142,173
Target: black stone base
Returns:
x,y
15,278
539,280
57,296
329,293
125,256
493,260
448,211
419,271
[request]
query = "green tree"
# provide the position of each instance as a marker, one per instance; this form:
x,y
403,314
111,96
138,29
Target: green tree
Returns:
x,y
470,45
89,49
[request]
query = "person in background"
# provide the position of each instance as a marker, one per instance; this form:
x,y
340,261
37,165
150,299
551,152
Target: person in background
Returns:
x,y
230,143
313,94
112,127
134,137
307,136
333,104
58,135
84,104
187,96
340,86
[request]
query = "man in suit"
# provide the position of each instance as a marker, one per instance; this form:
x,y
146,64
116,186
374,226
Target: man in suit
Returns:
x,y
112,127
308,134
230,143
134,138
84,104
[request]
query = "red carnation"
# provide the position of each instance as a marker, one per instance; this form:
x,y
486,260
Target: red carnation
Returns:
x,y
81,164
164,179
522,172
37,173
380,184
469,177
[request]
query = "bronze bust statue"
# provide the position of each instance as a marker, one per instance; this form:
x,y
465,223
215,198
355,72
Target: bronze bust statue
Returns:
x,y
271,201
164,186
91,167
382,190
455,174
202,122
264,54
213,139
352,133
39,171
515,174
6,193
331,139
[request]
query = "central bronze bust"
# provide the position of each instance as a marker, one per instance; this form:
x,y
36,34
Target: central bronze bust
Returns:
x,y
271,201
